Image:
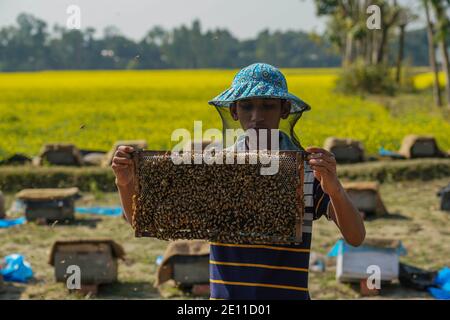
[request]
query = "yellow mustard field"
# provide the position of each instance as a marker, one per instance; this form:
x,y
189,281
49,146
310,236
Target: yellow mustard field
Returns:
x,y
93,109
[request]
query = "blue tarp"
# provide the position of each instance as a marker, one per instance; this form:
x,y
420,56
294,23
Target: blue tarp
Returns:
x,y
6,223
105,211
442,282
16,269
387,153
341,246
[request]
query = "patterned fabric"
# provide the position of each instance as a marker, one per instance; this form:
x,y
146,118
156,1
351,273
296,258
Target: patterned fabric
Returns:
x,y
270,272
259,80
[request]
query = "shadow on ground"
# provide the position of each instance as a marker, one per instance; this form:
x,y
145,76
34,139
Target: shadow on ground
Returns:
x,y
11,291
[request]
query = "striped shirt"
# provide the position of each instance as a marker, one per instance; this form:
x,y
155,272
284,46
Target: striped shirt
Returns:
x,y
254,271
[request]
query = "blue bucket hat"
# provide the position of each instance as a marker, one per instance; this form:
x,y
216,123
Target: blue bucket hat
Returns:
x,y
259,80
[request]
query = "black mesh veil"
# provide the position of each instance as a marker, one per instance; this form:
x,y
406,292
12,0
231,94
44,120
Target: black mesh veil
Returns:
x,y
286,125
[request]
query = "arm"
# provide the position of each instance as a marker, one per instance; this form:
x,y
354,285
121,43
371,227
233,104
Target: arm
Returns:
x,y
123,168
126,193
341,209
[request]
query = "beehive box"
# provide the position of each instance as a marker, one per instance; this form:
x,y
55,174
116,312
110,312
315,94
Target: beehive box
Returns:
x,y
219,202
366,197
186,262
444,193
415,146
2,206
353,262
345,150
63,154
97,259
191,270
49,204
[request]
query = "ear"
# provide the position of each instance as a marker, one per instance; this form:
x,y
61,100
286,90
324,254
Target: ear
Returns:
x,y
233,111
285,109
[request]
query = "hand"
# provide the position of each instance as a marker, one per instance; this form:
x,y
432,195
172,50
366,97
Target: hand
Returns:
x,y
123,165
323,164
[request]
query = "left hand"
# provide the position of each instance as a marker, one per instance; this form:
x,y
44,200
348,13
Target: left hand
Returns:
x,y
323,164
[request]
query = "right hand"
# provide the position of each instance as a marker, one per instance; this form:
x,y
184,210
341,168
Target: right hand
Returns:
x,y
123,165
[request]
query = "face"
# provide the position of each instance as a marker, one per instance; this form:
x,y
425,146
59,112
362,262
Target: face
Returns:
x,y
260,113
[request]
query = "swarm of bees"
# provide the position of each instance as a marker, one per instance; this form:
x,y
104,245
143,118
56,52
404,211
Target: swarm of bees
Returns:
x,y
228,203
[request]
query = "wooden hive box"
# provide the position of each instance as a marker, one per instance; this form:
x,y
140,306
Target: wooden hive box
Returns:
x,y
186,262
49,204
352,262
2,206
444,193
345,150
16,159
62,154
97,259
366,197
415,146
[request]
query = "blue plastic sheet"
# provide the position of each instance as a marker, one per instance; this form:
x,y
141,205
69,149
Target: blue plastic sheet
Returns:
x,y
104,211
16,269
341,246
387,153
442,281
159,260
6,223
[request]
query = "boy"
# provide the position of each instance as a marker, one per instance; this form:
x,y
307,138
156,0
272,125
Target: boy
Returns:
x,y
259,100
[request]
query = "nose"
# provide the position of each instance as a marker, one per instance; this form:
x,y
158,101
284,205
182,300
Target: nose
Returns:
x,y
257,116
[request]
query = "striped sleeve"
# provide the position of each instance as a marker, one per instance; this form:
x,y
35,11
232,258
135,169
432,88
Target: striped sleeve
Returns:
x,y
321,201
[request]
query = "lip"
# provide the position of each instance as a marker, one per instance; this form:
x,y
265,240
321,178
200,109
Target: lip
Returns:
x,y
258,127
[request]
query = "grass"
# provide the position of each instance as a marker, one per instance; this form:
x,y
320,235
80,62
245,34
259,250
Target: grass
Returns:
x,y
414,218
94,109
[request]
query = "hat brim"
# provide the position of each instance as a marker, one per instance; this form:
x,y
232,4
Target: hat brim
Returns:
x,y
247,91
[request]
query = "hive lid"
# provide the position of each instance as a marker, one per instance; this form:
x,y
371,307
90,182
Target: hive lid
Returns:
x,y
332,142
117,249
361,185
47,194
382,243
369,244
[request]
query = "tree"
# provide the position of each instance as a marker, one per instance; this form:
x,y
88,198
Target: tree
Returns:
x,y
347,28
432,56
28,45
364,51
440,7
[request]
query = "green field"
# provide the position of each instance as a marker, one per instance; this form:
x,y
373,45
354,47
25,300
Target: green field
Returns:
x,y
94,109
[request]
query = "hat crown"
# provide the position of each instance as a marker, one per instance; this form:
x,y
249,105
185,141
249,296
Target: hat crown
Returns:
x,y
261,72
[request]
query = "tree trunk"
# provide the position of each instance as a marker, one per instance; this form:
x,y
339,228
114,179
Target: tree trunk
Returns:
x,y
432,57
382,46
348,59
446,65
401,46
444,22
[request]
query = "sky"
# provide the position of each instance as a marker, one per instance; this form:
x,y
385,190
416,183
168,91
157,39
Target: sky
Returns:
x,y
244,18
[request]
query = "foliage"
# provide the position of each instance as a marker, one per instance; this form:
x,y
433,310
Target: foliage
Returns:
x,y
29,45
359,78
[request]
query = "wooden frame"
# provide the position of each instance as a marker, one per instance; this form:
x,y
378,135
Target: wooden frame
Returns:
x,y
292,171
